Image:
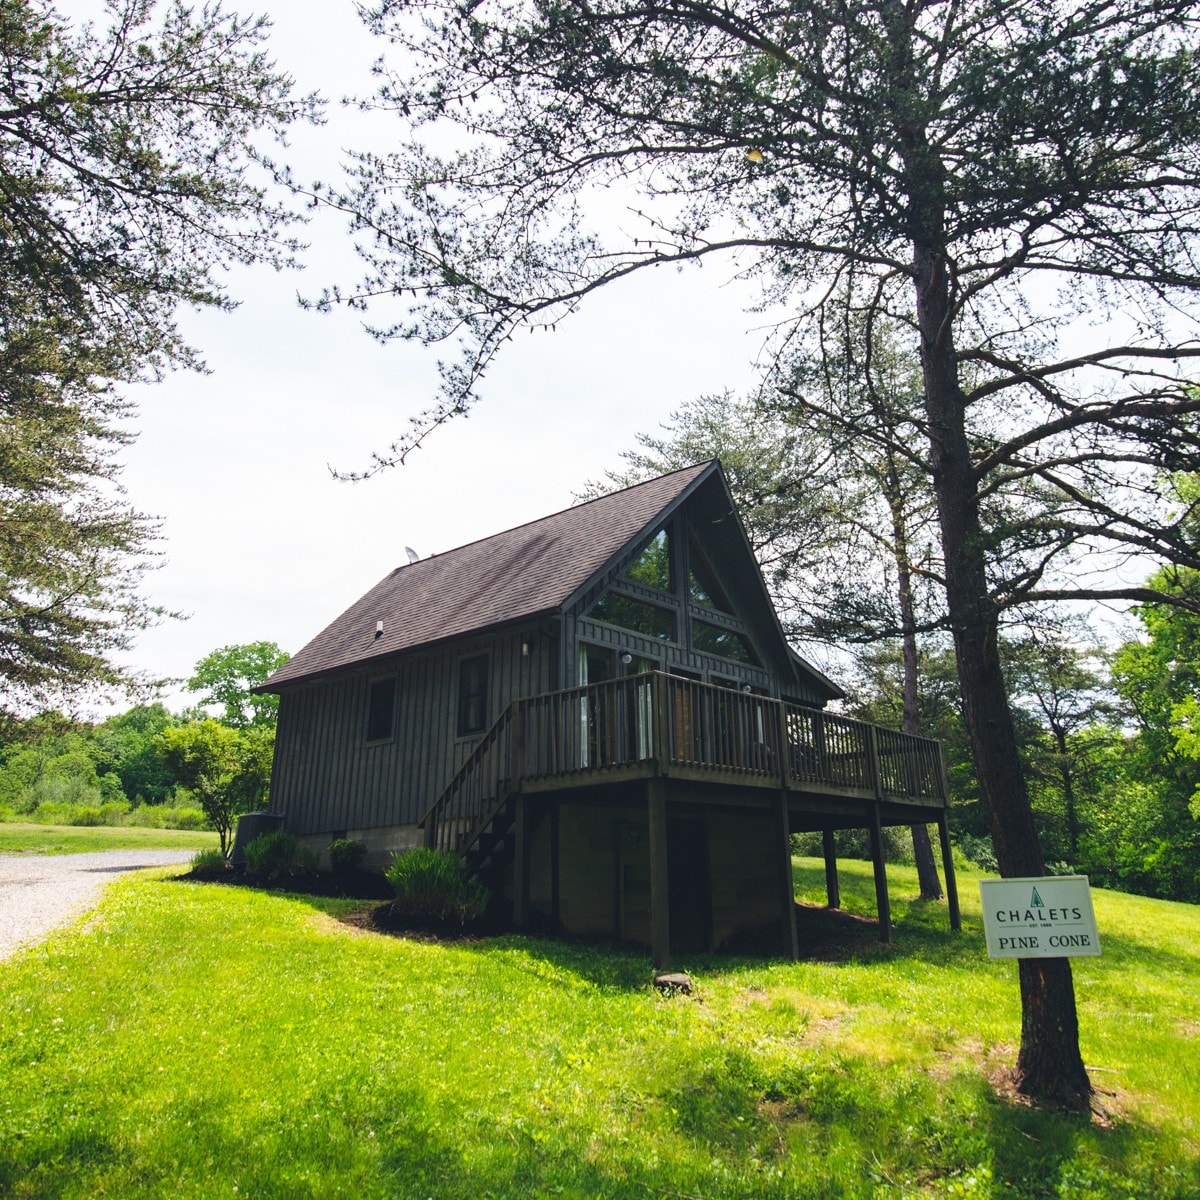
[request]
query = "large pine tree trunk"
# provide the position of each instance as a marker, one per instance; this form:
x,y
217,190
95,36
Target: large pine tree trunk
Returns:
x,y
1049,1065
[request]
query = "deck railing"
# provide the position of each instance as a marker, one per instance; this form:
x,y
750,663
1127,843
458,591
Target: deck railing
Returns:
x,y
663,723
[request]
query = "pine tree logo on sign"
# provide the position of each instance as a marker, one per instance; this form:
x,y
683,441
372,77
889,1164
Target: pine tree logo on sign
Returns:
x,y
1039,918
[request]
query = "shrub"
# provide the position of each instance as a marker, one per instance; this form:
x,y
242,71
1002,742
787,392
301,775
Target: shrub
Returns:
x,y
856,843
978,850
278,854
346,855
164,816
208,860
66,813
433,885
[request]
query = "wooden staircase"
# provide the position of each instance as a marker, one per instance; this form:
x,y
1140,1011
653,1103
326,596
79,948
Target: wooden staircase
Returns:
x,y
474,816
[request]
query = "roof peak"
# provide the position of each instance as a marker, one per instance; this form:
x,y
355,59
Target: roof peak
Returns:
x,y
699,468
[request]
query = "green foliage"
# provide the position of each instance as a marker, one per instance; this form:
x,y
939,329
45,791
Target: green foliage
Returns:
x,y
978,850
346,854
227,772
278,855
225,677
128,745
118,813
128,157
433,885
1150,839
211,859
388,1067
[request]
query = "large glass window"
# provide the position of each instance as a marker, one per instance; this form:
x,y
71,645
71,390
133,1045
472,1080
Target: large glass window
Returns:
x,y
473,695
649,619
381,710
723,642
703,588
653,566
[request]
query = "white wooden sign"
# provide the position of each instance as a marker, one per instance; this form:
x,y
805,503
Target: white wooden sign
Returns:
x,y
1039,918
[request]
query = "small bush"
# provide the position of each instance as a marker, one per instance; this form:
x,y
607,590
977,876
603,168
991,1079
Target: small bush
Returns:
x,y
346,855
277,855
164,816
978,850
208,860
432,885
856,843
64,813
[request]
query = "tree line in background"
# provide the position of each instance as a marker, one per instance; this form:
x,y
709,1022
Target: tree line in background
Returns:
x,y
148,766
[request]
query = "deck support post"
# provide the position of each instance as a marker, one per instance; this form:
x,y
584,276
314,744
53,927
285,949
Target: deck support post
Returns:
x,y
833,893
554,878
520,861
882,904
948,870
787,886
660,897
944,838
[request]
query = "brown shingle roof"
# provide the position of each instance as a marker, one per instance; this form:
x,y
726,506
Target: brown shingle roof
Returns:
x,y
512,576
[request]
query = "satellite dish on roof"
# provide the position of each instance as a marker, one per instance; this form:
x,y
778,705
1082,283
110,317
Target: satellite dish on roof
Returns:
x,y
413,556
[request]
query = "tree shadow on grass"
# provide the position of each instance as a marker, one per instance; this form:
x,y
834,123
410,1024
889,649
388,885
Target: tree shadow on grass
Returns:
x,y
1040,1152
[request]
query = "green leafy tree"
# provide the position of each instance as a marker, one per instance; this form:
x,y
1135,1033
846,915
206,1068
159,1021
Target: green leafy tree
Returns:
x,y
227,676
50,759
984,174
228,772
73,552
129,747
131,177
1157,837
1062,683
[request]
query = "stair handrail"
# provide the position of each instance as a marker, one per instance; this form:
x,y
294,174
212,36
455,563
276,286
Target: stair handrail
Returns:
x,y
439,823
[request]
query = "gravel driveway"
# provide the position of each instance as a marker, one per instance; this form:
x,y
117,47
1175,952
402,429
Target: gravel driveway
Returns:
x,y
40,892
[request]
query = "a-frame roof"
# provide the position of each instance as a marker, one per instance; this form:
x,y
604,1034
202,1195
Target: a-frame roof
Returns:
x,y
513,576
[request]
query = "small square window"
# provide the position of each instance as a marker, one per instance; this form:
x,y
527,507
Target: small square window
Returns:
x,y
381,710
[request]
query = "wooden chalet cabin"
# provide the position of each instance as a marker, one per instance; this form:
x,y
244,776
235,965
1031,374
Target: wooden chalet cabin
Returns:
x,y
600,712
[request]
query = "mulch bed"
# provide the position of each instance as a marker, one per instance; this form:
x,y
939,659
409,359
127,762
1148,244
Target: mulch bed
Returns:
x,y
345,885
381,918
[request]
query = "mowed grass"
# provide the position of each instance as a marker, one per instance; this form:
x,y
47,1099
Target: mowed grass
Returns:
x,y
22,837
191,1040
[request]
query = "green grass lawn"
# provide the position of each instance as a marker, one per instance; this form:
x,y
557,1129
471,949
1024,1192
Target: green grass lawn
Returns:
x,y
192,1040
19,837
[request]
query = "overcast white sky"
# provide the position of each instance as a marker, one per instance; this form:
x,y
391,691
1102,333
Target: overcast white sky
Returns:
x,y
259,541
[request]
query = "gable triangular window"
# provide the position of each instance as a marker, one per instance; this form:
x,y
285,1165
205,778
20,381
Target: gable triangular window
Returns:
x,y
652,567
703,588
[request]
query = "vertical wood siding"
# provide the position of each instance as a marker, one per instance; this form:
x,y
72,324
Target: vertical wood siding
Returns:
x,y
328,777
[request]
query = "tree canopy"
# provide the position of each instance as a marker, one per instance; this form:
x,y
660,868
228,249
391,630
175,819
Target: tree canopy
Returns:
x,y
132,175
227,675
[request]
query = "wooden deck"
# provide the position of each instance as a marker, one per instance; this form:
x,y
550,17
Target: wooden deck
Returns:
x,y
664,726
